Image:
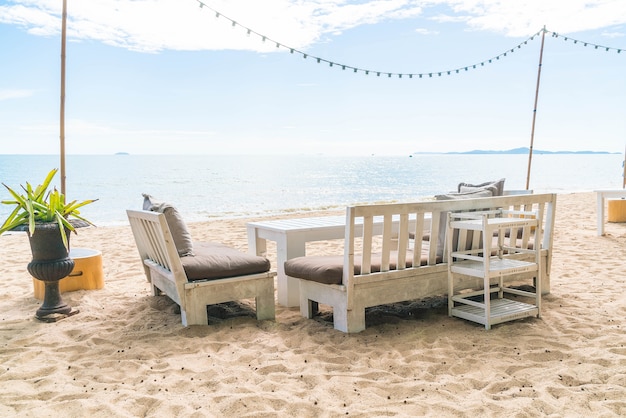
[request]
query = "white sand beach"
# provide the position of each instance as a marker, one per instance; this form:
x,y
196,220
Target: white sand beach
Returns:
x,y
126,353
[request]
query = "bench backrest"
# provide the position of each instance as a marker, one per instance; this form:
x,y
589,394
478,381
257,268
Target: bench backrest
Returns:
x,y
156,246
404,220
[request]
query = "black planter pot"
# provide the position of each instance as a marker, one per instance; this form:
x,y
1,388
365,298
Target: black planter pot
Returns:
x,y
51,263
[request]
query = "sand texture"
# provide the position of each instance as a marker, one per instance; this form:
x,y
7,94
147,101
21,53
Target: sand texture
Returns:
x,y
126,353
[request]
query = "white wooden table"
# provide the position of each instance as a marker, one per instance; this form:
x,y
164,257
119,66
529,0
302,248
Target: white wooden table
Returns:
x,y
291,236
602,196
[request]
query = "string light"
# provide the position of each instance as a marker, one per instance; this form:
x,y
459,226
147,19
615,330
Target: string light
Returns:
x,y
279,45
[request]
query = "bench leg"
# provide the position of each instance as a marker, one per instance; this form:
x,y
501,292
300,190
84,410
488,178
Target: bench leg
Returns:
x,y
350,321
308,308
194,314
155,290
265,306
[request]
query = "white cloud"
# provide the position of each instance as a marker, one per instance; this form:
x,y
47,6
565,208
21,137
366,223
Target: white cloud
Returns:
x,y
15,94
612,35
154,25
424,31
524,17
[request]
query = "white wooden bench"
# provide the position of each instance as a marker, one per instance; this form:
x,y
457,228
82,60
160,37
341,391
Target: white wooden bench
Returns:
x,y
390,271
165,272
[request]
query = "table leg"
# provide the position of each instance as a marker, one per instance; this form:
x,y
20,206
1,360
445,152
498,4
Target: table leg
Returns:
x,y
256,245
288,247
600,214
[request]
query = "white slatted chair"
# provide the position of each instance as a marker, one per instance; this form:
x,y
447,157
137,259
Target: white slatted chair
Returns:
x,y
165,272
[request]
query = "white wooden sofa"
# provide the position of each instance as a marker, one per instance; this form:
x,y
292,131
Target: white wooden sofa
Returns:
x,y
227,275
377,270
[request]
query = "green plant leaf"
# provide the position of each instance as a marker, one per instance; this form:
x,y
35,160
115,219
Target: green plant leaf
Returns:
x,y
42,205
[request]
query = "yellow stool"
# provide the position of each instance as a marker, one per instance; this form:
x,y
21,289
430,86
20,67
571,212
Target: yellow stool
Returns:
x,y
617,210
86,275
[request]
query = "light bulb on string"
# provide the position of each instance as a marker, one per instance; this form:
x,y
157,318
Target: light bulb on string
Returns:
x,y
400,75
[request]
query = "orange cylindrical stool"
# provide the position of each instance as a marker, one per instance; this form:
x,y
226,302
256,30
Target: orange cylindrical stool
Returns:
x,y
86,275
617,210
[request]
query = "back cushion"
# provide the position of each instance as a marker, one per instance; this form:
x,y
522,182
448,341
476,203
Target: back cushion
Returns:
x,y
498,184
178,227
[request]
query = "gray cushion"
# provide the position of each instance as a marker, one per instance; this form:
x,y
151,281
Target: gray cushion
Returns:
x,y
471,189
329,269
465,195
212,260
498,184
443,219
178,227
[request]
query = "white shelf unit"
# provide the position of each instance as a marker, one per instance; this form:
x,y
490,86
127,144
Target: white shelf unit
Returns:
x,y
511,233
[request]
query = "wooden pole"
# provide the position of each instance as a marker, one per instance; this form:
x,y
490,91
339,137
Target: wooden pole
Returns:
x,y
62,116
532,131
624,171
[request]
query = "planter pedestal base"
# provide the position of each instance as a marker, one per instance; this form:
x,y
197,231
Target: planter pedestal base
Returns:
x,y
50,272
55,317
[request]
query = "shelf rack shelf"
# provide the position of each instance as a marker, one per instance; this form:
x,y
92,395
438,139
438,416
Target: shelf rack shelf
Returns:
x,y
508,233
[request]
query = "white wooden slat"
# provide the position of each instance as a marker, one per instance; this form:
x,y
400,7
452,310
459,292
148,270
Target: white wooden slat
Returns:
x,y
387,246
368,236
403,240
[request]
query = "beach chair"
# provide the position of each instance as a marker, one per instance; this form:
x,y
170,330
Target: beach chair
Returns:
x,y
210,273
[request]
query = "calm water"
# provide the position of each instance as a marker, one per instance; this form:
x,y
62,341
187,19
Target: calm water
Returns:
x,y
209,187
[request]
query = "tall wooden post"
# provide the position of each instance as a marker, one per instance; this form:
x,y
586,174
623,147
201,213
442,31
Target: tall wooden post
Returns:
x,y
62,116
532,132
624,171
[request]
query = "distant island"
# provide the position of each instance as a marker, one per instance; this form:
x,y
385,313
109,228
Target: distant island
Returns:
x,y
522,150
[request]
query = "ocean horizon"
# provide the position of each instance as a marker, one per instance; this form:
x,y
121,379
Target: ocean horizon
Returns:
x,y
210,187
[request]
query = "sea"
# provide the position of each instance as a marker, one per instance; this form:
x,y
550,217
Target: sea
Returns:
x,y
213,187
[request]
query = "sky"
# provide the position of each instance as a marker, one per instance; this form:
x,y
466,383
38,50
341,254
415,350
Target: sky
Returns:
x,y
313,77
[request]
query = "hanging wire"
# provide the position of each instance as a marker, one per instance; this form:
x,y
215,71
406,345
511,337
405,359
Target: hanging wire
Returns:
x,y
584,44
365,71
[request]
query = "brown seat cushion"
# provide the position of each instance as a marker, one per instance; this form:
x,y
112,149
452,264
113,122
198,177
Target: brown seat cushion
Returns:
x,y
213,260
329,269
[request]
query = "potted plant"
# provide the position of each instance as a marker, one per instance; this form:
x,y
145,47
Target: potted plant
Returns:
x,y
46,216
